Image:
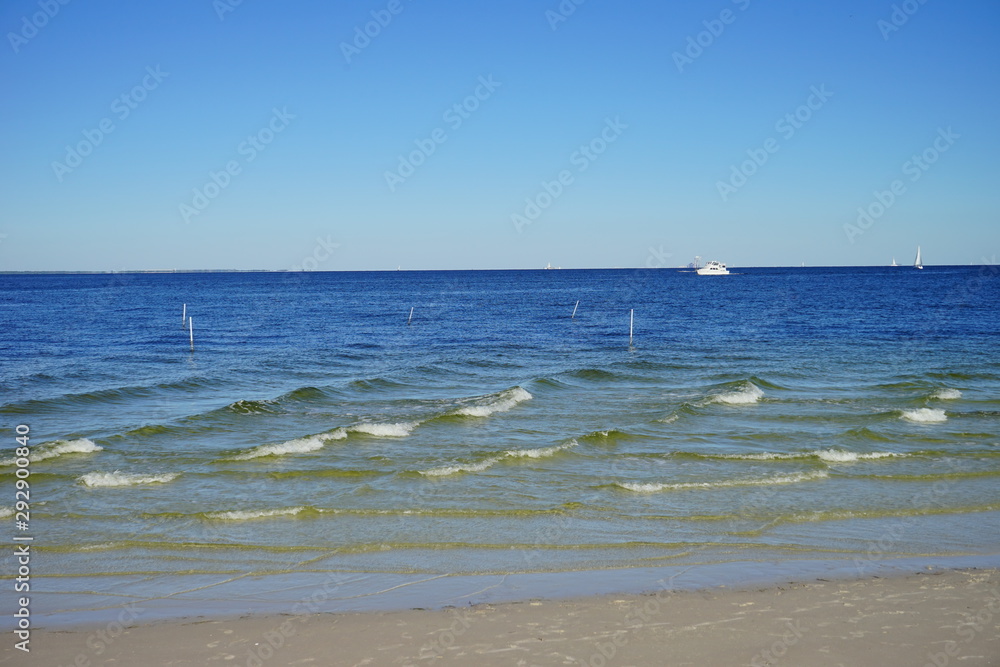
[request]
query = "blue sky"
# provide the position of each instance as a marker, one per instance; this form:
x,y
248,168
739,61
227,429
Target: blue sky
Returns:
x,y
651,115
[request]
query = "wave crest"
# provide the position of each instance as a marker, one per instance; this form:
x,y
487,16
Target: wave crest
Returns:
x,y
538,453
841,456
925,415
304,445
50,450
250,407
480,466
462,467
653,487
501,402
947,394
826,455
248,515
118,478
396,430
747,394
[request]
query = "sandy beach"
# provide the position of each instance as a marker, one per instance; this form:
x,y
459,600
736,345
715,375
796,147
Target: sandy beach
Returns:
x,y
931,617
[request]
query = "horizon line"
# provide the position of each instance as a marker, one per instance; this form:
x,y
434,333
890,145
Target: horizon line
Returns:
x,y
399,270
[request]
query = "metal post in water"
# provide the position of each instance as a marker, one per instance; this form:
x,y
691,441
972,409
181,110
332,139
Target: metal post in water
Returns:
x,y
408,319
631,320
184,315
191,331
574,310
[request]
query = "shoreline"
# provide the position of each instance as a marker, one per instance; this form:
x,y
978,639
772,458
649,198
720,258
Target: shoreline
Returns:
x,y
184,597
907,615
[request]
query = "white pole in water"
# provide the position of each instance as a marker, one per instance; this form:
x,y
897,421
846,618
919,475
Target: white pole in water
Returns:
x,y
191,331
184,315
411,315
574,310
631,320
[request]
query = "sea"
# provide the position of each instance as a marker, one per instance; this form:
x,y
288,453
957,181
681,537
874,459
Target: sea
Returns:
x,y
419,439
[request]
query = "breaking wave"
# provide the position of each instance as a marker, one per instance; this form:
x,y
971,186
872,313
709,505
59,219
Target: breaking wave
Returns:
x,y
479,466
794,478
312,443
947,394
117,478
538,453
501,402
297,446
397,430
248,407
747,394
248,515
924,415
826,455
50,450
462,467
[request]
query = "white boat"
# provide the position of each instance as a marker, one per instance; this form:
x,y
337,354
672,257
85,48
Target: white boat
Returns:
x,y
713,268
917,264
894,262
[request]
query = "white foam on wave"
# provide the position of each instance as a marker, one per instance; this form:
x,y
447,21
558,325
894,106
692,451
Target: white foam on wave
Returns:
x,y
6,512
247,515
947,394
396,430
827,455
463,467
304,445
925,415
840,456
501,402
539,453
118,478
750,393
762,456
794,478
50,450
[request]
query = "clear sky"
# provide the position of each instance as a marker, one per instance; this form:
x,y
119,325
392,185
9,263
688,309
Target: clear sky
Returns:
x,y
255,134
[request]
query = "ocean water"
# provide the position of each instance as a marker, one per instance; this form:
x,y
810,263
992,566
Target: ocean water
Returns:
x,y
769,416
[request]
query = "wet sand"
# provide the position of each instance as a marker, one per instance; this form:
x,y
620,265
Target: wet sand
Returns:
x,y
932,617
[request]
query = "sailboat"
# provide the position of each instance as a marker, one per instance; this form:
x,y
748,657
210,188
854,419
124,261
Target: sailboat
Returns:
x,y
917,264
894,262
